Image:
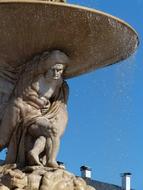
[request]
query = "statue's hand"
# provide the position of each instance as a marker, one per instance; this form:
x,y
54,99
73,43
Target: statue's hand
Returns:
x,y
44,100
45,108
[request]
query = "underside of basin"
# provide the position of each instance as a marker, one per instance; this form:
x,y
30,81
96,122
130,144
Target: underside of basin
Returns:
x,y
92,39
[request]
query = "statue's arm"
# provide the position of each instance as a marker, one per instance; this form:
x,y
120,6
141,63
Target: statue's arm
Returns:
x,y
32,95
36,100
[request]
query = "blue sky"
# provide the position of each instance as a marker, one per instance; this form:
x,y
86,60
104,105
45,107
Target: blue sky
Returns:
x,y
105,128
106,110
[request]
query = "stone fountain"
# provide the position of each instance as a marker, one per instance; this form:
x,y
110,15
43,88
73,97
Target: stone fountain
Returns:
x,y
42,44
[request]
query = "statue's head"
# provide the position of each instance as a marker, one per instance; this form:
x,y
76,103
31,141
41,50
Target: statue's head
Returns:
x,y
55,71
54,63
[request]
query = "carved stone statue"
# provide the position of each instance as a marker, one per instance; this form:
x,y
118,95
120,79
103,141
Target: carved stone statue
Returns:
x,y
34,94
33,122
36,115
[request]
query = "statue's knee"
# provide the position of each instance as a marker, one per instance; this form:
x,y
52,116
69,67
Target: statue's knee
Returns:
x,y
42,139
33,130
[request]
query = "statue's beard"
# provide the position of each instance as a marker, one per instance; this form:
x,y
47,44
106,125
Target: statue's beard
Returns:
x,y
56,77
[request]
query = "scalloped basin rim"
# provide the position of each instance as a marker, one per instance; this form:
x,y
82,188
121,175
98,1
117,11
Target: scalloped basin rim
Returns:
x,y
91,38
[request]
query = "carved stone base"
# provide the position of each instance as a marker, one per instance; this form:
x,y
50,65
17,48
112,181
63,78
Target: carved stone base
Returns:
x,y
39,178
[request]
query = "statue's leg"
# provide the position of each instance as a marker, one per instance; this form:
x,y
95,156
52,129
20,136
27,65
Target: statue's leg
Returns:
x,y
53,142
29,142
38,148
52,148
40,128
44,128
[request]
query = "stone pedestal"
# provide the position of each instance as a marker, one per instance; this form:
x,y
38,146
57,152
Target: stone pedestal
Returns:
x,y
39,178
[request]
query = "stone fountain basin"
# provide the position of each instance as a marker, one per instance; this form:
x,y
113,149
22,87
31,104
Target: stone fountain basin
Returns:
x,y
91,38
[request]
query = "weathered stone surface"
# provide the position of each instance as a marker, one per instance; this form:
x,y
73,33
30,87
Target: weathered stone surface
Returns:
x,y
3,187
11,177
42,44
40,178
92,38
36,115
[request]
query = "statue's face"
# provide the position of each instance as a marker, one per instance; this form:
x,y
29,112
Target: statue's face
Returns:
x,y
55,72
